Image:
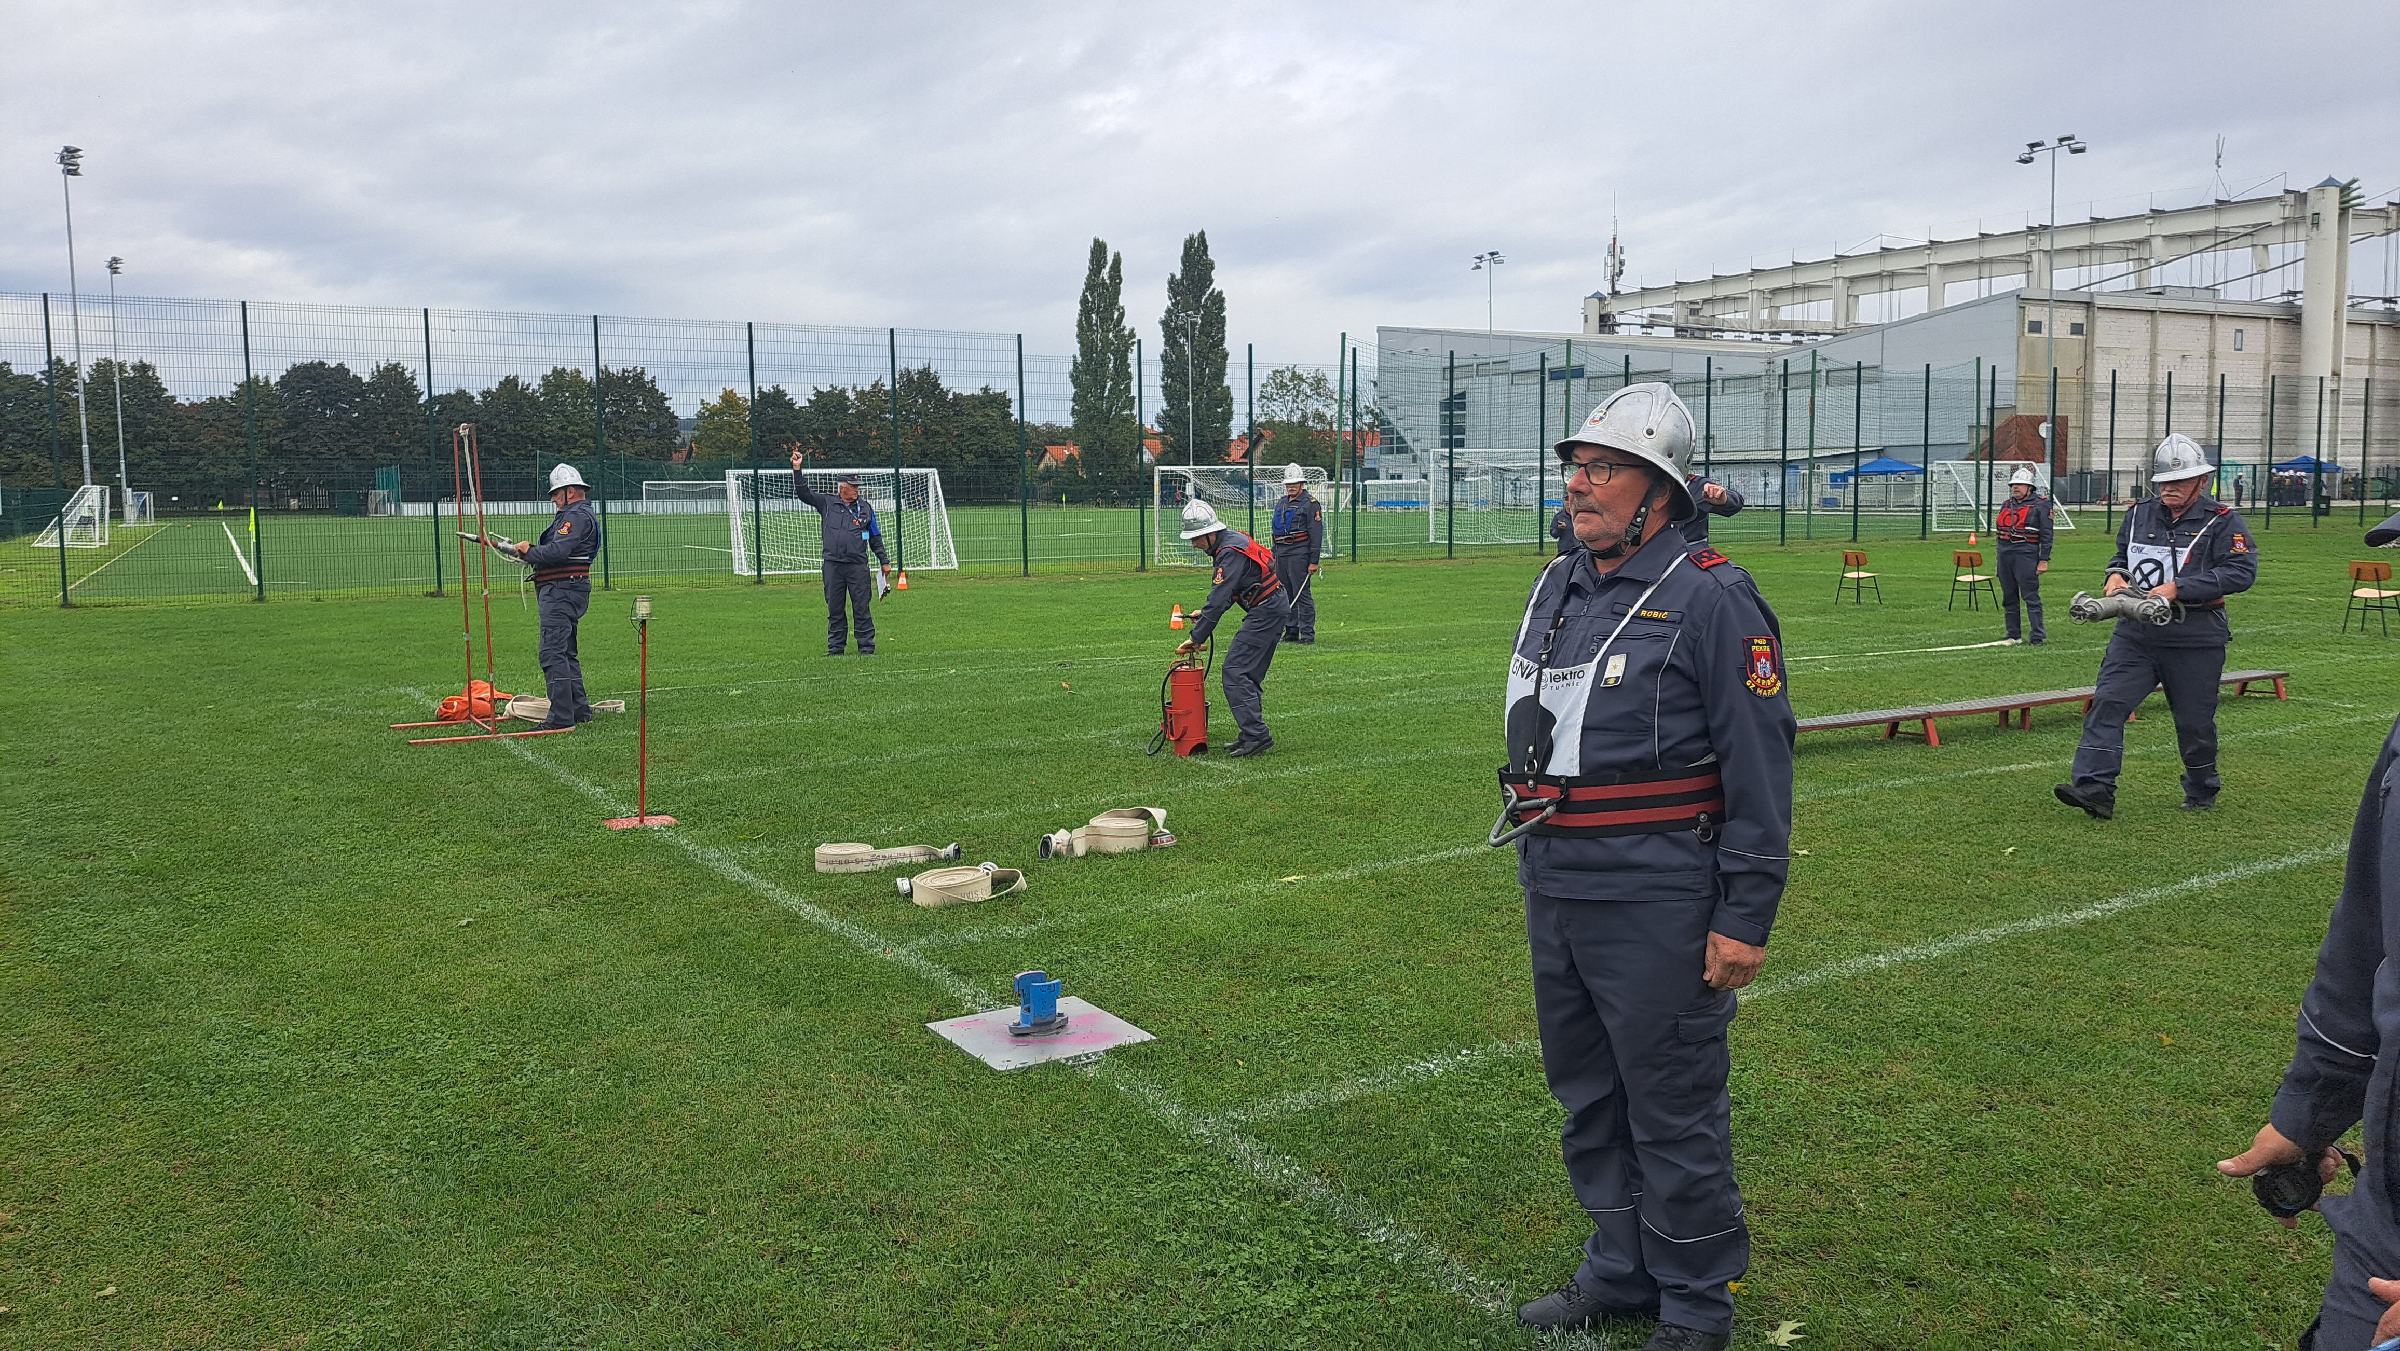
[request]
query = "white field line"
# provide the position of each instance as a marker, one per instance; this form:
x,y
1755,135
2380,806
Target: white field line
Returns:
x,y
1395,1077
1410,1251
1190,900
1899,652
238,556
112,562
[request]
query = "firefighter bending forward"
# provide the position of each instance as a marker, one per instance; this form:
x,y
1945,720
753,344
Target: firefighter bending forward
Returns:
x,y
1649,792
1245,576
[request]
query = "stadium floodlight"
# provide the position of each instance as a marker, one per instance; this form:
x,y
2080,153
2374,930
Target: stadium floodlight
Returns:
x,y
1485,263
116,375
70,165
2072,146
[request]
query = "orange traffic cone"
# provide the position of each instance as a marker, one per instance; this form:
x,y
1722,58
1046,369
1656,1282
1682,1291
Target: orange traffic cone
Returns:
x,y
1175,620
902,584
1970,539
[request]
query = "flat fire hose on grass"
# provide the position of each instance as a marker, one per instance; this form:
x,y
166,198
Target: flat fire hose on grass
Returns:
x,y
534,708
960,886
866,858
1119,830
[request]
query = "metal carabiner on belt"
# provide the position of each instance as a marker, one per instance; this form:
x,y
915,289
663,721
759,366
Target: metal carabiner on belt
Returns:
x,y
1510,804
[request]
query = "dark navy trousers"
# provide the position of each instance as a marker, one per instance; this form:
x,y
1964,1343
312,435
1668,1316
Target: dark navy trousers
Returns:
x,y
1243,674
1293,570
2021,583
853,583
1633,1044
2129,670
560,606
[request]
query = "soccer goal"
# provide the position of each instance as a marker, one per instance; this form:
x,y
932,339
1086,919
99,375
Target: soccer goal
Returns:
x,y
1229,489
1493,496
765,516
1967,492
1394,494
138,508
675,496
84,519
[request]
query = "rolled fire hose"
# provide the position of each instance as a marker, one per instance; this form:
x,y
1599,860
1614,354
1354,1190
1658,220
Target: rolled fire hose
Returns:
x,y
1119,830
960,886
866,858
534,708
2139,606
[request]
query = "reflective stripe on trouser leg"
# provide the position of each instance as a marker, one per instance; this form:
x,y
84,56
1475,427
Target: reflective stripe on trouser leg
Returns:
x,y
2127,675
558,606
2190,675
1245,667
1633,1044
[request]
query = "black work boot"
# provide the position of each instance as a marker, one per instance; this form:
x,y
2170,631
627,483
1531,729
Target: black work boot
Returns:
x,y
1676,1337
2101,808
1243,746
2193,802
1573,1307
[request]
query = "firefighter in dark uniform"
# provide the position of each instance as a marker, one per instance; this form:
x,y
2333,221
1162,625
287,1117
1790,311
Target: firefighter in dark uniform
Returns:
x,y
1562,531
848,528
1713,499
1245,576
1649,791
2339,1075
1298,529
2023,528
2186,547
562,590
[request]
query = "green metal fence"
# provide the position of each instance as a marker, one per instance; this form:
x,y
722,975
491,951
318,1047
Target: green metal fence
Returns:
x,y
306,449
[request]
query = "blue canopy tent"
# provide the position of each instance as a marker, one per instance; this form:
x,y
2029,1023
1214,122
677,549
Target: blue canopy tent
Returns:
x,y
1882,466
2307,464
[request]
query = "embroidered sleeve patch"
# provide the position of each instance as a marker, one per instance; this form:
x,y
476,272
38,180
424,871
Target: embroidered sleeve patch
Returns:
x,y
2241,542
566,527
1220,577
1708,558
1766,668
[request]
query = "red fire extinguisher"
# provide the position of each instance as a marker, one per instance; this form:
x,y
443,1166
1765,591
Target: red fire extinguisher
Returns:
x,y
1183,704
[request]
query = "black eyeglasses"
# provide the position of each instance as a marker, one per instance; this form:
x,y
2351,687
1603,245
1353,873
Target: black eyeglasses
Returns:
x,y
1598,471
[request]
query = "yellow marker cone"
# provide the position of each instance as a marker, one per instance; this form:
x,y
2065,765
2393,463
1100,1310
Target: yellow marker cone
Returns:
x,y
902,584
1175,620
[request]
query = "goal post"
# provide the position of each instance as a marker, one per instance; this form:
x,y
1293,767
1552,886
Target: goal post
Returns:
x,y
140,508
83,521
1966,493
675,496
1229,489
1492,495
774,532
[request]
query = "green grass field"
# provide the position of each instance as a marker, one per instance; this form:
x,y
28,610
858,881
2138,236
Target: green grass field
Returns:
x,y
316,1040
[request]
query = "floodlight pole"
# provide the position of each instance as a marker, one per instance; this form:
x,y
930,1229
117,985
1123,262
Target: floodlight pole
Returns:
x,y
2072,146
70,165
116,363
1486,263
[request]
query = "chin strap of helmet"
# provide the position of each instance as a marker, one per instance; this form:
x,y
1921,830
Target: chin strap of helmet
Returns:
x,y
1632,538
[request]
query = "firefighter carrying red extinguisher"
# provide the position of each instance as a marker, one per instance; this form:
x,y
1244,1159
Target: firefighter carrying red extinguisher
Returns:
x,y
1245,576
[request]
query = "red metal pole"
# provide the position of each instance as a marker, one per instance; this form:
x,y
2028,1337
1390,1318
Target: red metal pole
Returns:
x,y
466,615
484,559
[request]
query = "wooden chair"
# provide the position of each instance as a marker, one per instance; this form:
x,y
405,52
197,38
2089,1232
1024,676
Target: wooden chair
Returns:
x,y
1966,569
2371,593
1855,578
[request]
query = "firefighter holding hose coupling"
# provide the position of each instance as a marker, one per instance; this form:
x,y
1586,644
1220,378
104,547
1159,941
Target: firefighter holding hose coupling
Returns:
x,y
1245,576
1649,792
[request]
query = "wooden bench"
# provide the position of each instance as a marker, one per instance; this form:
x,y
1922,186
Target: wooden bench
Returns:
x,y
1928,717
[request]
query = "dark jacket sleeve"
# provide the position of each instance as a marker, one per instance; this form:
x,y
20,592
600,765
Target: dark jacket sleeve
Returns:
x,y
1316,532
1751,726
1734,501
2048,529
2324,1090
579,544
1235,573
875,537
801,490
2231,554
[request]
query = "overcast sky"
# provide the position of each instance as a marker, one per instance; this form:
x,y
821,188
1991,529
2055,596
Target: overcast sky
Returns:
x,y
947,165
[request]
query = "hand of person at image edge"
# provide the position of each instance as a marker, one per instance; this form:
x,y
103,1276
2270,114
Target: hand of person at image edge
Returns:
x,y
1731,963
2272,1147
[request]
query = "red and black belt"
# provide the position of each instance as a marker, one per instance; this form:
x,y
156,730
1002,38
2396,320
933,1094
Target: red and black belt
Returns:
x,y
1602,805
1249,599
561,574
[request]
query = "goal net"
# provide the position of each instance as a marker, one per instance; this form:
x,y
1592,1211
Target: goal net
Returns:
x,y
670,496
138,509
785,533
1493,496
1393,494
1240,504
84,520
1966,493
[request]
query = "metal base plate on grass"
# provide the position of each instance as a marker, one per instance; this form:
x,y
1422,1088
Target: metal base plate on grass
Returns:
x,y
638,822
1090,1031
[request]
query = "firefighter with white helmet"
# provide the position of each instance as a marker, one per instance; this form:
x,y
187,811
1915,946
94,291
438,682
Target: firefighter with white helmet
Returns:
x,y
1648,790
1245,576
2024,529
562,590
1298,530
2185,547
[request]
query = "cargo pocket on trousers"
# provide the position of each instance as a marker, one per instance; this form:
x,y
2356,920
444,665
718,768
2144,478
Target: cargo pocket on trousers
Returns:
x,y
1706,1059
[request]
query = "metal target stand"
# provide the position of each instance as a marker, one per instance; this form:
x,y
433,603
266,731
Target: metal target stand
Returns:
x,y
466,473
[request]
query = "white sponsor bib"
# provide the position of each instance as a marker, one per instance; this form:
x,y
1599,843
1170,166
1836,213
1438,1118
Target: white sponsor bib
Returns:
x,y
2151,565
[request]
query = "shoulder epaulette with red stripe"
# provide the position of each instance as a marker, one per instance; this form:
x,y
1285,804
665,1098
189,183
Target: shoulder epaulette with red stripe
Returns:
x,y
2223,510
1708,558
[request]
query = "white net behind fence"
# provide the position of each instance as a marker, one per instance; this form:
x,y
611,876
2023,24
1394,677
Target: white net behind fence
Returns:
x,y
83,520
1228,488
774,532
